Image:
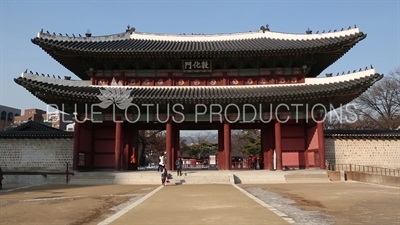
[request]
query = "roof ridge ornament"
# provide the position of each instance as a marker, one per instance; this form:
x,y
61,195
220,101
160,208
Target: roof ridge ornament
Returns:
x,y
130,29
88,33
266,28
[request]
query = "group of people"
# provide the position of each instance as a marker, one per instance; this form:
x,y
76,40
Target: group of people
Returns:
x,y
252,162
163,169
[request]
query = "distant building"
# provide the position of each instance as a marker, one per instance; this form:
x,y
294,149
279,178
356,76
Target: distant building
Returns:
x,y
30,115
56,120
70,127
7,115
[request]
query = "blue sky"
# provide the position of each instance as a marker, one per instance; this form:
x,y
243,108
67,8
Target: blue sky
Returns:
x,y
21,20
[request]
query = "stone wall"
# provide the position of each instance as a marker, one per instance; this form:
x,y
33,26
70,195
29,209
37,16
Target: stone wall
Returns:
x,y
36,154
53,154
380,152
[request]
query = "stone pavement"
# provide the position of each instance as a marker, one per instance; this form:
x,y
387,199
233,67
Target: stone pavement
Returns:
x,y
198,204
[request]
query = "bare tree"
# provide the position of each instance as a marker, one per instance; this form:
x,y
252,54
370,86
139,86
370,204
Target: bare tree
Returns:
x,y
376,108
151,142
246,142
381,103
237,142
201,137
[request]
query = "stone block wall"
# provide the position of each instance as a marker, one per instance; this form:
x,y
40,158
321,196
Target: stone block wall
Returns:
x,y
53,154
377,152
36,154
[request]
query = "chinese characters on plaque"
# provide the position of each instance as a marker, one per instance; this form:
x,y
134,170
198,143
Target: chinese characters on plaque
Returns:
x,y
197,66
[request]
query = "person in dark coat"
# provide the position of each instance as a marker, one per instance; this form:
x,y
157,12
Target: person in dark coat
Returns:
x,y
1,178
179,165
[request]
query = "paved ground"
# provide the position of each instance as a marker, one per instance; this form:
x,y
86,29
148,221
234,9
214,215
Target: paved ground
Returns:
x,y
321,203
199,204
65,204
339,202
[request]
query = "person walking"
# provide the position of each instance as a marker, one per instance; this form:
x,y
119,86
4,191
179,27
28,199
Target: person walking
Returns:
x,y
164,175
179,165
133,162
161,164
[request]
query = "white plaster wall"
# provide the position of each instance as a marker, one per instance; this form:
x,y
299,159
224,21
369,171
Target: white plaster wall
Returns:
x,y
370,152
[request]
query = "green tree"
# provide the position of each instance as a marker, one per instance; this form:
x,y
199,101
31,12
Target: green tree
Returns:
x,y
248,142
253,139
202,150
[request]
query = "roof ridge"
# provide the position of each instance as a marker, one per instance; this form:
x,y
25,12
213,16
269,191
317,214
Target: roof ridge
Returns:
x,y
132,34
33,124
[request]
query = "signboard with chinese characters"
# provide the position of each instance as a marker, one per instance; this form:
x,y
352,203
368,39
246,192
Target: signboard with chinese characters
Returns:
x,y
196,66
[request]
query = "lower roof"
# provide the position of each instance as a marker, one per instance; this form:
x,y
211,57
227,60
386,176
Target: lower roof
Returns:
x,y
345,89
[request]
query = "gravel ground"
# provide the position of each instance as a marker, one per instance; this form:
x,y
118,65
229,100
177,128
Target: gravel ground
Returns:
x,y
287,206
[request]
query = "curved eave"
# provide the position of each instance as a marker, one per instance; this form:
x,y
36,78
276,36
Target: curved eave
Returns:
x,y
331,88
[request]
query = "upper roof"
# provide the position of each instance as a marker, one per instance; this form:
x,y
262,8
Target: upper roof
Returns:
x,y
141,45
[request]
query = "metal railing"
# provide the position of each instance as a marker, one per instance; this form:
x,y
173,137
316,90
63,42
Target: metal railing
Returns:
x,y
241,166
45,174
365,169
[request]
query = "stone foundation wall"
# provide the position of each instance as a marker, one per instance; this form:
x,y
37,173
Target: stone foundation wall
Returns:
x,y
36,154
370,152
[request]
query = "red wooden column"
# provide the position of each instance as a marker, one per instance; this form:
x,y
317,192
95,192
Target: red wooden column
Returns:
x,y
117,149
77,135
321,143
265,142
126,153
133,145
168,143
221,159
227,145
93,144
306,144
173,150
278,145
271,145
177,143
